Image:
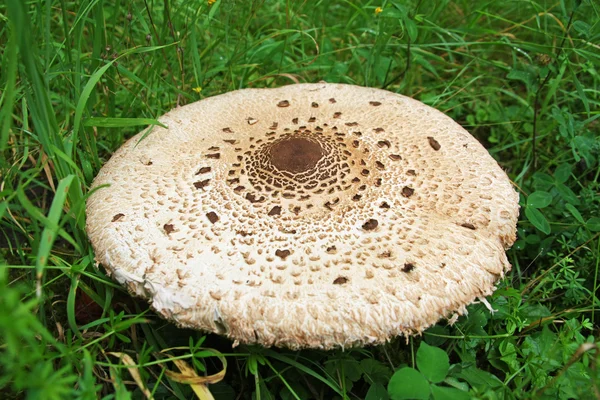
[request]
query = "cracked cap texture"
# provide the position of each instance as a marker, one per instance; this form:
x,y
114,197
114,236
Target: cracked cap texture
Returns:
x,y
312,215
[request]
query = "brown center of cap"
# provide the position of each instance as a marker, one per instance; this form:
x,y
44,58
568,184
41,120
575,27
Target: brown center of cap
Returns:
x,y
295,154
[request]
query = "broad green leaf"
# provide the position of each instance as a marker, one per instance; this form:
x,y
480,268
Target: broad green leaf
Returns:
x,y
567,194
455,383
349,368
520,244
543,344
411,29
476,322
408,383
593,224
575,212
375,371
448,393
345,367
433,362
532,239
542,181
539,199
377,392
509,354
563,172
533,312
538,220
479,378
527,76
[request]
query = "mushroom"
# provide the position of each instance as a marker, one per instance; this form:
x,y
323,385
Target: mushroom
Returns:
x,y
312,215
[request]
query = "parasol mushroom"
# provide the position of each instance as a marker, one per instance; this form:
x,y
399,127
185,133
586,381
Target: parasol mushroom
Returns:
x,y
312,215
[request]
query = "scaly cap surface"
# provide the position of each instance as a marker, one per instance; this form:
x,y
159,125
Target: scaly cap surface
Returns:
x,y
312,215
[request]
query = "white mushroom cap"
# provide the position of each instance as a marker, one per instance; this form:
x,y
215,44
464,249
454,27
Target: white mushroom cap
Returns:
x,y
312,215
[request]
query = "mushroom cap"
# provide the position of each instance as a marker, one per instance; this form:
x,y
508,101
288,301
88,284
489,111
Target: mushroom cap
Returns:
x,y
311,215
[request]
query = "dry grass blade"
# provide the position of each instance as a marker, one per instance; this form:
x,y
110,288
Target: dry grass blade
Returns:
x,y
133,371
199,384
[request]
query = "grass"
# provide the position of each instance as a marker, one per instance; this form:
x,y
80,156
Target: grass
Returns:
x,y
79,77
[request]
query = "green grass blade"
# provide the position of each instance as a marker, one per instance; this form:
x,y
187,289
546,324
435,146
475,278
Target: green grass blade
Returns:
x,y
9,73
106,122
50,231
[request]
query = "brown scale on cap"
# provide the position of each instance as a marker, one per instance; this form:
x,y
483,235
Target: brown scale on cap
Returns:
x,y
294,206
117,217
168,228
296,154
